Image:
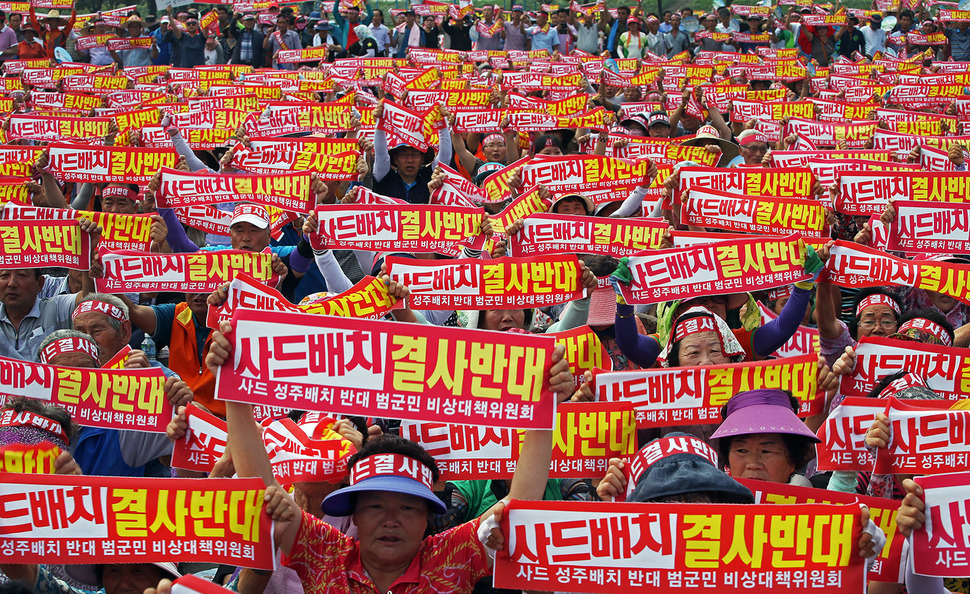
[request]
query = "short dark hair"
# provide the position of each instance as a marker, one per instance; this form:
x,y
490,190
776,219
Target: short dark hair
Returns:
x,y
53,412
907,13
388,443
626,8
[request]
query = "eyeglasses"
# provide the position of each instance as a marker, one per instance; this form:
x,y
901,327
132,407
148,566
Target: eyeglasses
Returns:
x,y
884,324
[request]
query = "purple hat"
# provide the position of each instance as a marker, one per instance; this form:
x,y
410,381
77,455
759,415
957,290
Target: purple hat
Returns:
x,y
761,411
396,473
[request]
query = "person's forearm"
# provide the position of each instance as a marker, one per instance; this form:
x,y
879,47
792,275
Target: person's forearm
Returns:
x,y
773,335
55,198
182,148
177,239
382,159
245,441
444,148
333,274
632,203
642,350
83,199
532,467
827,295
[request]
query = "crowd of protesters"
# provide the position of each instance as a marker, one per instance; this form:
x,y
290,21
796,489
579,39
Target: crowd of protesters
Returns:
x,y
398,534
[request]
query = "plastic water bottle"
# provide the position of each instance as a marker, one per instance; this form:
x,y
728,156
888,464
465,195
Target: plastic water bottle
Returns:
x,y
148,347
163,356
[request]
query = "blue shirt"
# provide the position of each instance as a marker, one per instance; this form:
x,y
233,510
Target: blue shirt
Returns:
x,y
544,41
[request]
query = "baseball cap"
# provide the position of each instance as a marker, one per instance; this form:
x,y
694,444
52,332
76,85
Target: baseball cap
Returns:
x,y
250,213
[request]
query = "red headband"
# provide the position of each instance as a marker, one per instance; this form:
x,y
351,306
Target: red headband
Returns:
x,y
392,465
756,137
117,191
694,325
107,309
878,299
780,292
659,449
12,418
71,344
907,381
924,325
493,138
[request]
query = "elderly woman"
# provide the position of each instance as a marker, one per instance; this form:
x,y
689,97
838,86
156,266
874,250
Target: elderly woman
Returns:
x,y
762,438
875,312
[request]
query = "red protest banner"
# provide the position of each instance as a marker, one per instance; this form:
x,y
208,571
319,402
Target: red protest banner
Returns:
x,y
855,134
587,436
930,228
577,173
118,231
29,459
97,164
471,283
112,398
101,519
869,193
621,547
411,228
924,439
308,451
843,435
827,170
702,207
940,547
201,272
405,124
367,299
882,512
571,234
780,182
375,368
327,166
38,244
288,191
695,395
715,268
941,367
744,110
854,265
43,128
584,352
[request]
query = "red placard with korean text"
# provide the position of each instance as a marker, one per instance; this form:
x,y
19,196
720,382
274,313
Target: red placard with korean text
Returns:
x,y
782,182
924,439
694,395
29,459
584,351
858,266
102,519
702,207
386,369
869,193
940,547
406,227
930,227
367,299
112,398
587,436
618,548
942,368
843,435
97,164
505,283
572,234
39,244
118,231
200,272
715,268
882,512
288,191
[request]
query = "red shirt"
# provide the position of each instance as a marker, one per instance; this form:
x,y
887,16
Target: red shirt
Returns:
x,y
30,51
328,561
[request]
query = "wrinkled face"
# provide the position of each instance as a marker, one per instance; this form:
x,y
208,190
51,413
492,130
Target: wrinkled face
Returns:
x,y
19,288
390,527
249,237
502,319
495,151
542,19
99,327
877,320
632,94
701,348
659,131
571,206
408,161
129,579
118,205
198,303
76,359
760,457
754,152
